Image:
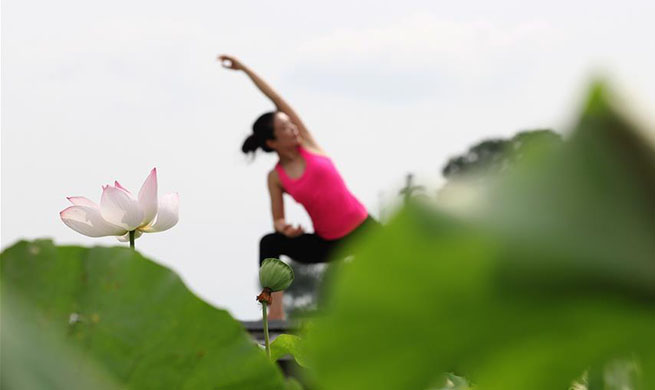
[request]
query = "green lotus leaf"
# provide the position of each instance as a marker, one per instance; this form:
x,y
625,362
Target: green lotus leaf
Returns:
x,y
107,318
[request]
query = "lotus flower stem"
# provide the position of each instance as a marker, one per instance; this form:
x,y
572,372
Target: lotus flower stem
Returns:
x,y
265,319
132,239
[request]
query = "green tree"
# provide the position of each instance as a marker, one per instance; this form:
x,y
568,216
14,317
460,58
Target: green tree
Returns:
x,y
495,155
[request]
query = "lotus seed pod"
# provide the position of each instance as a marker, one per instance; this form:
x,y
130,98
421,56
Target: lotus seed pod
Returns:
x,y
275,274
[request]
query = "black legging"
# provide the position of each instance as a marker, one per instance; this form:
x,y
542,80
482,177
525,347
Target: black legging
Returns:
x,y
306,248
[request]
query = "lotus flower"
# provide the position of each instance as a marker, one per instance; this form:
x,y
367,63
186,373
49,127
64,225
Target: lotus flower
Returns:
x,y
120,212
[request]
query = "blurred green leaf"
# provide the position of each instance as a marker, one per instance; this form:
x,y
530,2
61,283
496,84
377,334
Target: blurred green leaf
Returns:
x,y
126,317
287,344
293,384
451,381
583,215
35,358
553,273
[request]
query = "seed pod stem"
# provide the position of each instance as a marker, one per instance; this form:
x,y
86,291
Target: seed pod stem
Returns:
x,y
266,342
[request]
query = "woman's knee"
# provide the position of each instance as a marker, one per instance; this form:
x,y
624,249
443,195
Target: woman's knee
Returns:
x,y
271,239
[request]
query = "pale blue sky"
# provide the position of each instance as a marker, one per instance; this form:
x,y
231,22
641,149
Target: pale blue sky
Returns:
x,y
93,92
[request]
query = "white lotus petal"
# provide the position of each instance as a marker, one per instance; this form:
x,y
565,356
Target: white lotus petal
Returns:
x,y
126,237
119,186
120,208
82,201
88,221
167,214
148,197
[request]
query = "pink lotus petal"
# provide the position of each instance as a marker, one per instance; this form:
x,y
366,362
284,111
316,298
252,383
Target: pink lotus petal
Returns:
x,y
148,197
119,186
167,214
82,201
120,208
88,221
126,237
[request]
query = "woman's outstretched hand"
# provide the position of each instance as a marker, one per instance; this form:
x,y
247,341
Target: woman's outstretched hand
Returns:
x,y
230,62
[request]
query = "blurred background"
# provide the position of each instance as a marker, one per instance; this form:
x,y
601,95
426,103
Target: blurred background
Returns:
x,y
95,92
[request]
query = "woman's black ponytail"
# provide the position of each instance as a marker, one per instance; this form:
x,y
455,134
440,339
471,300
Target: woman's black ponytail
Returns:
x,y
250,145
262,130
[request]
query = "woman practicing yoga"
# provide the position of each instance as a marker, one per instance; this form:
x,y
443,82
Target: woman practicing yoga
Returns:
x,y
309,176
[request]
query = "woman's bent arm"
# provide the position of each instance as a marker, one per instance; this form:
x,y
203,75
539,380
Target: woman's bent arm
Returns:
x,y
277,203
277,208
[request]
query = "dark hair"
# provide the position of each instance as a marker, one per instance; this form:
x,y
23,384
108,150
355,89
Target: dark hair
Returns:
x,y
262,130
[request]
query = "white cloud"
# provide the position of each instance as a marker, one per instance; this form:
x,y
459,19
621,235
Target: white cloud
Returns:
x,y
424,39
419,55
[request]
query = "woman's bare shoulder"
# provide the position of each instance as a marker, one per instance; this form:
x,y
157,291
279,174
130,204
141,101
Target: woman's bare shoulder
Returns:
x,y
273,180
273,177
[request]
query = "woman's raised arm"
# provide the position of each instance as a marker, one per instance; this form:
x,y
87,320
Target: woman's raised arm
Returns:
x,y
231,62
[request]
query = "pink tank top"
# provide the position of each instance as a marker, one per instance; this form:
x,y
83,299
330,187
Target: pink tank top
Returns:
x,y
334,211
